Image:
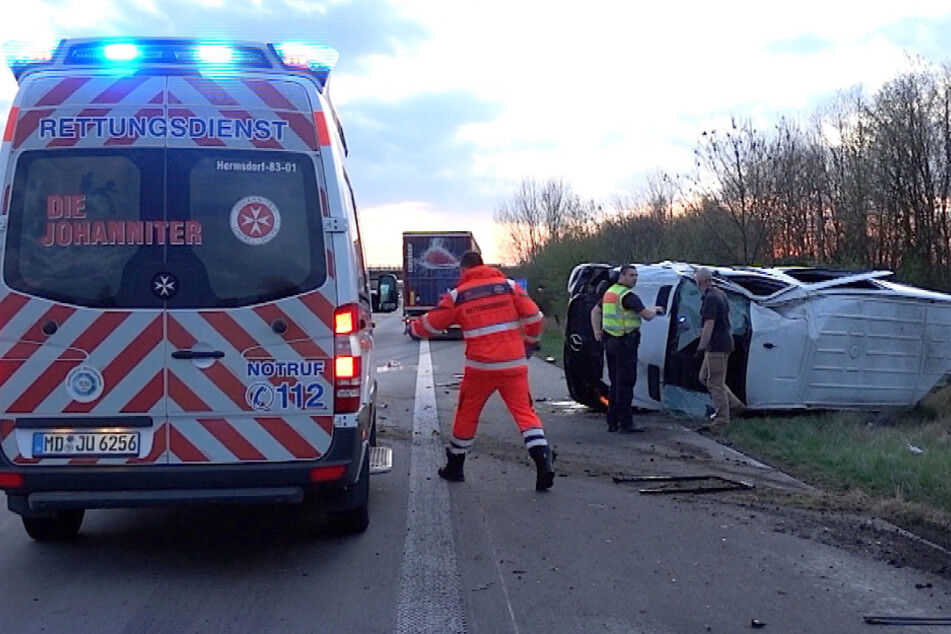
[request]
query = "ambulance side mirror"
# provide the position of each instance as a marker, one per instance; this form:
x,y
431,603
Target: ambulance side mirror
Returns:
x,y
386,297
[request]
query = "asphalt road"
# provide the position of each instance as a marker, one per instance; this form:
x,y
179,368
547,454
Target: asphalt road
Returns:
x,y
487,555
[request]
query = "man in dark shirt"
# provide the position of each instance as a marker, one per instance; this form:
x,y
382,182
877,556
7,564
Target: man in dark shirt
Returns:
x,y
716,344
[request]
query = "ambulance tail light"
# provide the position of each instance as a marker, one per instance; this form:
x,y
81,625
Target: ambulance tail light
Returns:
x,y
9,480
327,474
347,359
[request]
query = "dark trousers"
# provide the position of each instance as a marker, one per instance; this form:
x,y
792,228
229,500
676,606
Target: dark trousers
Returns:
x,y
621,353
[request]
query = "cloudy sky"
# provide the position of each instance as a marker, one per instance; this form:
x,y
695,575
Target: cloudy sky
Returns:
x,y
448,104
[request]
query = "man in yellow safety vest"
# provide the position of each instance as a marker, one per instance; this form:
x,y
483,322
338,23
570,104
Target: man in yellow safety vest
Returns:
x,y
621,314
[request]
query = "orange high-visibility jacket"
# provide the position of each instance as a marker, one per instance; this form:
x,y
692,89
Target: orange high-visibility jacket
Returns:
x,y
498,319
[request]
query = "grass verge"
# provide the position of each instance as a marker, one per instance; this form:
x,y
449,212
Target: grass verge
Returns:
x,y
903,459
552,343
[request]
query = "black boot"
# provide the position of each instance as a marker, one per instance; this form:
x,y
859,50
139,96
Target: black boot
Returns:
x,y
544,467
453,469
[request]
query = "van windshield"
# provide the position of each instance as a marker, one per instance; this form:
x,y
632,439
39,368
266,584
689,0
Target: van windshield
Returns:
x,y
232,228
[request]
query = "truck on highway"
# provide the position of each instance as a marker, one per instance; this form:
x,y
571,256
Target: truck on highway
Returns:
x,y
431,267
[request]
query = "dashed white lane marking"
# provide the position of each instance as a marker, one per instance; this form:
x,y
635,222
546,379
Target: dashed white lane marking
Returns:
x,y
430,597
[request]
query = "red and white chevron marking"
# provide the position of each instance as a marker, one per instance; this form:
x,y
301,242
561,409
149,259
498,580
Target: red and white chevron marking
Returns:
x,y
108,96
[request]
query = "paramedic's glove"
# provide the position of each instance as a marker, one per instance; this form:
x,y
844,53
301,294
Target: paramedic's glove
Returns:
x,y
530,348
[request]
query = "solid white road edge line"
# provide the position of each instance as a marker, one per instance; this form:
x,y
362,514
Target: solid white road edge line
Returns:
x,y
430,597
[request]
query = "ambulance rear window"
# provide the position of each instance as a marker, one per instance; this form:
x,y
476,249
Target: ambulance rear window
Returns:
x,y
98,227
260,219
77,219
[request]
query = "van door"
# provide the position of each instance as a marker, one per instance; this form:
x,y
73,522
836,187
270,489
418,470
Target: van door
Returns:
x,y
779,351
250,316
82,352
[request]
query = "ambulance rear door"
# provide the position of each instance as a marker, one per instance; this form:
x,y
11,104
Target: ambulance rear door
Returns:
x,y
251,305
82,348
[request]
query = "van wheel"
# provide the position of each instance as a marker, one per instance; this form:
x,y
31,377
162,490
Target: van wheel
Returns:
x,y
355,520
62,526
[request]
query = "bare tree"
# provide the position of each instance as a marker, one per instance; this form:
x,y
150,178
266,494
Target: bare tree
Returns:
x,y
733,175
539,213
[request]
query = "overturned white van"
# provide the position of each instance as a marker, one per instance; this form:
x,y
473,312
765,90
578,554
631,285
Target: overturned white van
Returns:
x,y
805,338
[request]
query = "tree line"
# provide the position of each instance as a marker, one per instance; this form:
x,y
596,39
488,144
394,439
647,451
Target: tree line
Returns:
x,y
862,183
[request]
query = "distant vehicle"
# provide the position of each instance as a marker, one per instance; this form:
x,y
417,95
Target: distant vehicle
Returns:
x,y
431,267
805,338
184,304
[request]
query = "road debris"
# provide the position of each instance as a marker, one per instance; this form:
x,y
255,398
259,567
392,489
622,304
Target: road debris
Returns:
x,y
675,484
907,620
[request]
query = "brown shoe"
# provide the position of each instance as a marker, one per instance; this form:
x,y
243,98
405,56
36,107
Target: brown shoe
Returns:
x,y
718,422
715,423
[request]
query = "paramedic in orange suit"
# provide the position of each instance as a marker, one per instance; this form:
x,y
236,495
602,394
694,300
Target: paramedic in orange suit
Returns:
x,y
500,323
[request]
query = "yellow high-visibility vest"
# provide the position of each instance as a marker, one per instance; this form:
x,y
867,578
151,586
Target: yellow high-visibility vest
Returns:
x,y
615,319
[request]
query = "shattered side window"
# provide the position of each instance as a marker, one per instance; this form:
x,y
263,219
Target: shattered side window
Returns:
x,y
758,285
688,316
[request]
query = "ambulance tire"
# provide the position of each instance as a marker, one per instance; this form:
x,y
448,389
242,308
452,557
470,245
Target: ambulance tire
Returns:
x,y
62,526
354,521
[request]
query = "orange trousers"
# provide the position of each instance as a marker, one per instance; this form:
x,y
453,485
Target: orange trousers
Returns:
x,y
476,388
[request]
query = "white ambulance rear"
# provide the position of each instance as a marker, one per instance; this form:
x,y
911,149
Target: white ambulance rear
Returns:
x,y
184,304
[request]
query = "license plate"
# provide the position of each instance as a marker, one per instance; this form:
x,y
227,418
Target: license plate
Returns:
x,y
53,444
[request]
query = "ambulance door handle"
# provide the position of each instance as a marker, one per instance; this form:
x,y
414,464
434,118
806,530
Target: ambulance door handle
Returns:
x,y
198,354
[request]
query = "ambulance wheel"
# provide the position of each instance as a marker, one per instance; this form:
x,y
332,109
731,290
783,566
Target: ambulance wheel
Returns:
x,y
62,526
355,520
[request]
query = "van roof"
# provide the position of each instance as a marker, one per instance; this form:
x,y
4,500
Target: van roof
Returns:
x,y
175,55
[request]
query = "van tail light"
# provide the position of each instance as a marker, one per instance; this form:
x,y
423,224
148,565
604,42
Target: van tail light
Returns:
x,y
10,480
347,359
328,474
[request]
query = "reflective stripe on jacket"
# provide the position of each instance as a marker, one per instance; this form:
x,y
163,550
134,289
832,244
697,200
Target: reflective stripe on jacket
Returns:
x,y
615,319
496,316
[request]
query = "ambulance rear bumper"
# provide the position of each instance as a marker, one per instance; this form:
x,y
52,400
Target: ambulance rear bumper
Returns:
x,y
47,489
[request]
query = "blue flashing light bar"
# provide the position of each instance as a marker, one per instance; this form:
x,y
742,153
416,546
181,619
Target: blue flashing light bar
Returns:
x,y
121,52
314,57
21,55
215,56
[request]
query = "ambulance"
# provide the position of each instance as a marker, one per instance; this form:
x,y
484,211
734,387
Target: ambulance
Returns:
x,y
185,311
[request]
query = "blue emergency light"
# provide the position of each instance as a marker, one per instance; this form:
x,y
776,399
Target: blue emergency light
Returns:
x,y
22,55
314,57
121,52
216,54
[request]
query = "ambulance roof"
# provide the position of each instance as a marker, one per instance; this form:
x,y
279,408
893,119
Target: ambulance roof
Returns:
x,y
177,55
